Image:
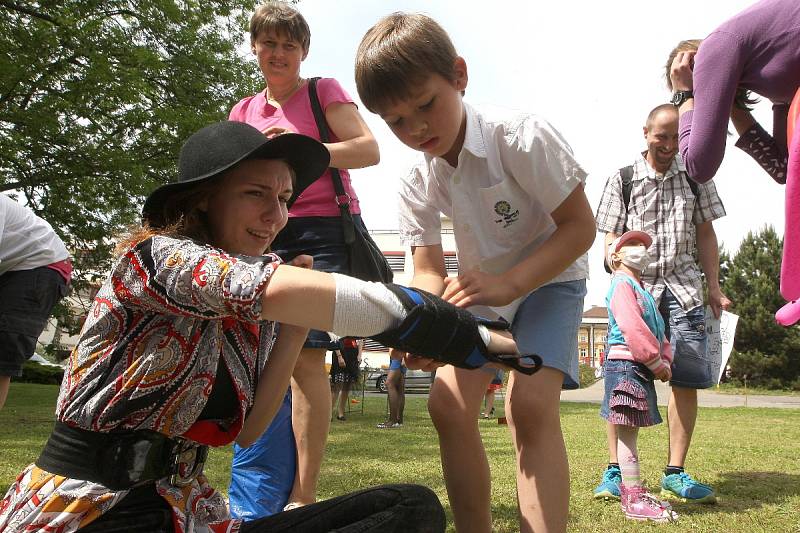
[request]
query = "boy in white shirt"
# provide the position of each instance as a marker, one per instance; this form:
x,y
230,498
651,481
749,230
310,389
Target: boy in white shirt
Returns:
x,y
522,226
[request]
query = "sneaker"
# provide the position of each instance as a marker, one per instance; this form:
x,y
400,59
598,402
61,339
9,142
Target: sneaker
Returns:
x,y
638,504
608,489
684,488
389,425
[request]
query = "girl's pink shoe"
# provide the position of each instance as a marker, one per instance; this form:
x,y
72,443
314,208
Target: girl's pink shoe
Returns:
x,y
638,504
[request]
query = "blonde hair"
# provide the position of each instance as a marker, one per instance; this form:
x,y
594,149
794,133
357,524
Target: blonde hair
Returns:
x,y
399,52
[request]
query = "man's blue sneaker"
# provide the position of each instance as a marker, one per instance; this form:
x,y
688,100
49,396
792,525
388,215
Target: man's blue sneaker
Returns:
x,y
682,487
608,489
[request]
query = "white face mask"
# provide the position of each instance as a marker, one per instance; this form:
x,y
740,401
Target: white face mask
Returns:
x,y
635,257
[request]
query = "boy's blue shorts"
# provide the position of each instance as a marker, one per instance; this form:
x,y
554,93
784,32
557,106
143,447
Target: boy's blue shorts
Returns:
x,y
547,322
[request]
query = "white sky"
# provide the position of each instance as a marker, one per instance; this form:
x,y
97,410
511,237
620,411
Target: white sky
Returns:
x,y
592,68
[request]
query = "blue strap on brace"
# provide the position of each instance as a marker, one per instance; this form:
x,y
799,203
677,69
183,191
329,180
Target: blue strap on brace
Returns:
x,y
436,329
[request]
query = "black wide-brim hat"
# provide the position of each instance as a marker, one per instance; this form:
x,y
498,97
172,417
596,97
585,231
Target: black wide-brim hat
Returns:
x,y
219,147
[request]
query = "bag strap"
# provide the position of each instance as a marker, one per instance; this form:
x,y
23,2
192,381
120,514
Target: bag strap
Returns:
x,y
626,173
342,198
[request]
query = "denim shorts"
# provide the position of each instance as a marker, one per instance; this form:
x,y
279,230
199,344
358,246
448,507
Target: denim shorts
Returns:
x,y
686,331
547,322
321,238
27,298
630,395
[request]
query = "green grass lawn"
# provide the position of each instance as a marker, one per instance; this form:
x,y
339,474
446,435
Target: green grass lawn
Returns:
x,y
751,456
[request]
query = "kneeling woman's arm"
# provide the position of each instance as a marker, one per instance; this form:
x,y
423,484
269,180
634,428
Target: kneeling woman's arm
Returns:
x,y
350,307
272,383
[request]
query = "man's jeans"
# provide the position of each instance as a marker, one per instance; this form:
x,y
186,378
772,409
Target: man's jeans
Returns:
x,y
686,332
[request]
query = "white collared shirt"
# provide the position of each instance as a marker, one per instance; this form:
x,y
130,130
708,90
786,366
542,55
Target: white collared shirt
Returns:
x,y
513,171
26,241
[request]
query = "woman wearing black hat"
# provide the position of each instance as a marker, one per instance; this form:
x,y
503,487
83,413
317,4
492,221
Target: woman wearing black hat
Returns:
x,y
179,352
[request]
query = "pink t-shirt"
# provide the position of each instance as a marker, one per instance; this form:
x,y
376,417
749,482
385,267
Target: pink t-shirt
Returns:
x,y
319,199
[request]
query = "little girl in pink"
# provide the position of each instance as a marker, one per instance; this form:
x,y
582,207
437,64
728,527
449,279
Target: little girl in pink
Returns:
x,y
638,352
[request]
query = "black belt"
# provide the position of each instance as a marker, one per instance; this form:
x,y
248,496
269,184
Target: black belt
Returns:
x,y
121,460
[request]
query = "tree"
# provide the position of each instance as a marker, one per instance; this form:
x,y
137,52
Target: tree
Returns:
x,y
767,353
96,97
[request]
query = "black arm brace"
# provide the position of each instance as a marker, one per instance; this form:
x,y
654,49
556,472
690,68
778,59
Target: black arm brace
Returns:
x,y
436,329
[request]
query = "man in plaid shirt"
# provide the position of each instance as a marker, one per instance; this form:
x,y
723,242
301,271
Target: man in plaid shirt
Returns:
x,y
663,204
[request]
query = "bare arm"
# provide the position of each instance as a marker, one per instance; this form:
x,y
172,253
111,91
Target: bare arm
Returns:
x,y
357,148
300,297
742,119
273,383
574,234
429,269
708,254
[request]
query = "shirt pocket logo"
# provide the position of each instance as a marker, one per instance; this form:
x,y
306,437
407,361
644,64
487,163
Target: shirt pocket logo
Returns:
x,y
508,215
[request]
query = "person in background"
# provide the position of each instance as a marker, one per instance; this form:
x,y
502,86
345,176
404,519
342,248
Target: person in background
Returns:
x,y
639,351
663,204
495,385
345,371
35,271
280,39
396,392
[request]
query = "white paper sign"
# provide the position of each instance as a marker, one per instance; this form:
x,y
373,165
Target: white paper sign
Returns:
x,y
719,339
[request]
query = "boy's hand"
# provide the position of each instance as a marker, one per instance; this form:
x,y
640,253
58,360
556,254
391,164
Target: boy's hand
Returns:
x,y
302,261
275,131
415,362
478,288
665,374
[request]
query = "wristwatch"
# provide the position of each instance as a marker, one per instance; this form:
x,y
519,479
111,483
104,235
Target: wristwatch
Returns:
x,y
679,97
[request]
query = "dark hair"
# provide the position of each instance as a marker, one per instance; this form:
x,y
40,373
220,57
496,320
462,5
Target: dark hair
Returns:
x,y
180,214
283,19
743,98
400,51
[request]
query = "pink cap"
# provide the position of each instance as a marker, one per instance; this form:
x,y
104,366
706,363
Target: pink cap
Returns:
x,y
620,241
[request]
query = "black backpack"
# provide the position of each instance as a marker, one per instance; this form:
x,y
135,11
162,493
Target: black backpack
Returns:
x,y
626,173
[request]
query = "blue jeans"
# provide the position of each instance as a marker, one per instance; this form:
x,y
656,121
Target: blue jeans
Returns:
x,y
384,509
547,322
686,331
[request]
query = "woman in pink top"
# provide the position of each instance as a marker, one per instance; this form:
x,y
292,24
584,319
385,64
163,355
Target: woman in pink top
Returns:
x,y
280,38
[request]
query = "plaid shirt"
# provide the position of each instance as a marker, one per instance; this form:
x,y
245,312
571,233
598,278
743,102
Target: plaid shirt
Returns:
x,y
665,207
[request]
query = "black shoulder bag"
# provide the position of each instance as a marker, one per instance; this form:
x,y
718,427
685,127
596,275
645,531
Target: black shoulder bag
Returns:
x,y
366,261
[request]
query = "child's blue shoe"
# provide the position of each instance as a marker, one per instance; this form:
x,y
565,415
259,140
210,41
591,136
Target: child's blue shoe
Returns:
x,y
684,488
608,489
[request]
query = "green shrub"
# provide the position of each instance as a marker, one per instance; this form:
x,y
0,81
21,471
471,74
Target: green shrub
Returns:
x,y
34,372
587,375
763,370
